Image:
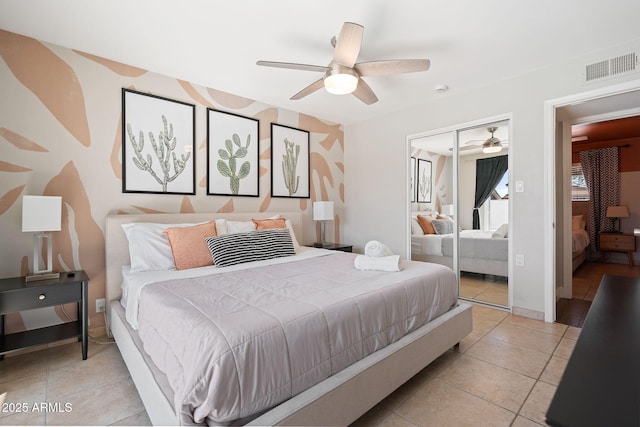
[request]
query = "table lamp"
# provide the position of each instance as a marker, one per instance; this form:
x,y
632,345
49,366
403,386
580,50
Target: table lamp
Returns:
x,y
617,212
322,211
41,215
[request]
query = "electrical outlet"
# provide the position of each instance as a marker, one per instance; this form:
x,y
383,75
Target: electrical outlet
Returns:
x,y
100,303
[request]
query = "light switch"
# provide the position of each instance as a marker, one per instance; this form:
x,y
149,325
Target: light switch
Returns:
x,y
520,260
520,186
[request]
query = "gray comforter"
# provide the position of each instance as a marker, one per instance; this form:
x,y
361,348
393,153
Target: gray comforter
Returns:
x,y
478,248
235,344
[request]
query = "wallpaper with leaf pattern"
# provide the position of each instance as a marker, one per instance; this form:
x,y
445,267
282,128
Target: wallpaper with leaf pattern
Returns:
x,y
60,134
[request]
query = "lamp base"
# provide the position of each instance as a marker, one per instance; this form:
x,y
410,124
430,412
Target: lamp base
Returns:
x,y
42,276
321,245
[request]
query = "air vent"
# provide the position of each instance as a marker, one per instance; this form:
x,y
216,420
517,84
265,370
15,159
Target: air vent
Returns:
x,y
611,67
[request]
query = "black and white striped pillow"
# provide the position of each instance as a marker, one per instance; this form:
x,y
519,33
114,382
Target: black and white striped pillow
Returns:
x,y
231,249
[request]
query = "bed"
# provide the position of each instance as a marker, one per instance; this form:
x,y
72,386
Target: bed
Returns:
x,y
479,252
579,241
579,235
361,380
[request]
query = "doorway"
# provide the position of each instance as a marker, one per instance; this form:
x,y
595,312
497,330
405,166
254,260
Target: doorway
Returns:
x,y
609,102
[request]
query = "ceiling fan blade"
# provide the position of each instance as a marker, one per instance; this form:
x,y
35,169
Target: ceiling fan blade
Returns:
x,y
467,148
348,44
318,84
293,66
385,68
475,142
364,93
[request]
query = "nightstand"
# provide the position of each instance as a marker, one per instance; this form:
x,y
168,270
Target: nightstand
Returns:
x,y
617,242
335,247
17,295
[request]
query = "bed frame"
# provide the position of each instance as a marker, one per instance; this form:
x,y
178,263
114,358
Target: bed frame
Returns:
x,y
338,400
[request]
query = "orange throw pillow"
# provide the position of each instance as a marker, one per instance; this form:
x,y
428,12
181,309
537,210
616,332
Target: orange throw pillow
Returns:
x,y
188,246
270,223
426,224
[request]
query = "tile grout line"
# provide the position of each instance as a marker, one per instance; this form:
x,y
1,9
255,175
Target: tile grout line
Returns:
x,y
538,380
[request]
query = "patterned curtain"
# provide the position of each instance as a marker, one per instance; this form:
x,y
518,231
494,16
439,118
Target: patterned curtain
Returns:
x,y
600,169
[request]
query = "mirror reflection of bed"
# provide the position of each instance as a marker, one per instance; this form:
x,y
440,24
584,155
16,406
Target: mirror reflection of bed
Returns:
x,y
484,246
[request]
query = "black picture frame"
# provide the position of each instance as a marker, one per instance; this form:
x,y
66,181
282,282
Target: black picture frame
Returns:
x,y
412,179
153,128
424,186
290,162
233,154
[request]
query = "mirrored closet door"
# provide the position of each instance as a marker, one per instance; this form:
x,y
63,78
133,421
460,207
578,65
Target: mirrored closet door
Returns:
x,y
460,206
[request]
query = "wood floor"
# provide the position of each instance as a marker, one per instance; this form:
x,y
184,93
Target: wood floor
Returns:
x,y
586,280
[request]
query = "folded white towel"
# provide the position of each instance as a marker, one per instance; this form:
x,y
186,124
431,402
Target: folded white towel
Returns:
x,y
380,263
375,248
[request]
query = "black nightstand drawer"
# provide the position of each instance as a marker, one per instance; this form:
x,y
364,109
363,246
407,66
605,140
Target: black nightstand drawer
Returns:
x,y
39,296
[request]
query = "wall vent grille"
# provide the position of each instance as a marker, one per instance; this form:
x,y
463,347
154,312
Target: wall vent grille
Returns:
x,y
611,67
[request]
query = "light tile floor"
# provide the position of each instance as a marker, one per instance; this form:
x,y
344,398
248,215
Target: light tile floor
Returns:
x,y
96,391
504,373
484,288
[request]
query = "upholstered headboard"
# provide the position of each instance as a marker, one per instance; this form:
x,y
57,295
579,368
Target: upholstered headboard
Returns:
x,y
117,246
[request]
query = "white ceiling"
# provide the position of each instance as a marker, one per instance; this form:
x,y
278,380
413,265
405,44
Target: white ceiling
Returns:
x,y
216,43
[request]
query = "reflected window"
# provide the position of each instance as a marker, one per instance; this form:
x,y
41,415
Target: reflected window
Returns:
x,y
579,190
499,204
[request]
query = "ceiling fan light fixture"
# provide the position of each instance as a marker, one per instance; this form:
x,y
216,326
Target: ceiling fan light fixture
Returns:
x,y
492,148
340,80
493,144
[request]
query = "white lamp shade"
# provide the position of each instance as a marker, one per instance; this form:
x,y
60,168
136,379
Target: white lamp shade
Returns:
x,y
617,212
447,210
323,211
41,213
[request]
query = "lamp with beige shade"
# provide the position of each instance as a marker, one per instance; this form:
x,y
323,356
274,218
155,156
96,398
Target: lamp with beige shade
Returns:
x,y
617,212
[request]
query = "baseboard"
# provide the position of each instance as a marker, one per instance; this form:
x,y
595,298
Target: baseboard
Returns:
x,y
526,312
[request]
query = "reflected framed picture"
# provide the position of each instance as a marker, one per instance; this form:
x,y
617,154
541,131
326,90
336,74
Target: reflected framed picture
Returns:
x,y
232,154
412,179
289,162
158,144
424,181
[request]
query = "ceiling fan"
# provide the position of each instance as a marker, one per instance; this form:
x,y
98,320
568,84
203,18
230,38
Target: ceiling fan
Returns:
x,y
343,75
490,145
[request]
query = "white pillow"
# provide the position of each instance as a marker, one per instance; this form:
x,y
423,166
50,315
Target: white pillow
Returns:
x,y
221,226
501,232
577,222
415,226
287,223
148,246
296,245
234,227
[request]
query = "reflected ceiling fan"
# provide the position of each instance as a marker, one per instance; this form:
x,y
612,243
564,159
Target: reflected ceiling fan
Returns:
x,y
343,75
490,145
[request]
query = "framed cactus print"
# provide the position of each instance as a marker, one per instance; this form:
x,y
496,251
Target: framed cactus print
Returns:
x,y
158,144
232,154
424,181
289,162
